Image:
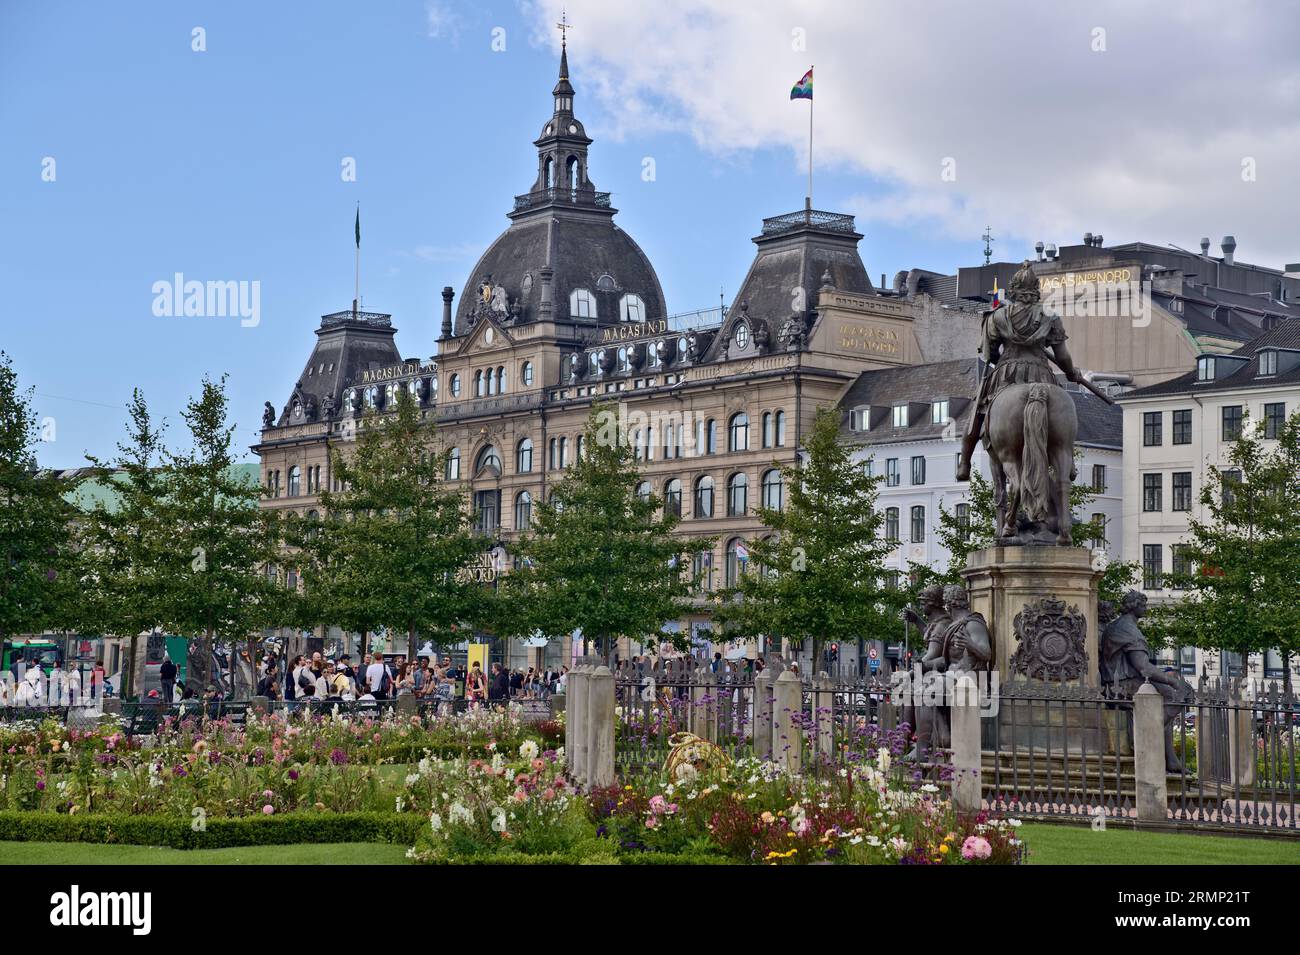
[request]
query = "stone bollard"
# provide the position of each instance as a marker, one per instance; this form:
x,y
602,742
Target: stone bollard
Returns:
x,y
577,753
406,705
787,734
762,728
557,705
824,714
967,782
600,728
1149,754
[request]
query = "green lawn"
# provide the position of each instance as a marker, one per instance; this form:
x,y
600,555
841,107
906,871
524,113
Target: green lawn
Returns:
x,y
1074,845
75,853
1048,845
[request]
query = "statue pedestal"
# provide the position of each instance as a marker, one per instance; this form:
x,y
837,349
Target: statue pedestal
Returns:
x,y
1054,592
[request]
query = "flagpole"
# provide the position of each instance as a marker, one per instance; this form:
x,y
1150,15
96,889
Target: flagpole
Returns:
x,y
356,301
810,147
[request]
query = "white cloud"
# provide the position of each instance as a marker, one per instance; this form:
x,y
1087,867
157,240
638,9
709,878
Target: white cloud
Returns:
x,y
1051,138
441,20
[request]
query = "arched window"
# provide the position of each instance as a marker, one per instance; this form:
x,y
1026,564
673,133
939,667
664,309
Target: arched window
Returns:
x,y
673,497
702,571
501,380
593,363
564,452
891,524
413,386
453,464
636,444
737,557
372,396
773,490
769,430
581,448
780,429
455,385
918,523
548,173
582,304
526,374
704,497
742,335
523,511
670,441
737,495
631,308
706,437
553,458
488,458
643,490
524,456
573,173
738,432
295,478
391,391
622,359
480,389
433,388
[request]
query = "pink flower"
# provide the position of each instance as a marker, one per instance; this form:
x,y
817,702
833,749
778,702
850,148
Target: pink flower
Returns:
x,y
268,809
652,822
548,794
520,795
976,847
267,793
658,804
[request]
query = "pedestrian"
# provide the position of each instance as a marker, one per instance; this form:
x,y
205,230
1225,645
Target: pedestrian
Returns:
x,y
379,677
476,689
167,674
500,687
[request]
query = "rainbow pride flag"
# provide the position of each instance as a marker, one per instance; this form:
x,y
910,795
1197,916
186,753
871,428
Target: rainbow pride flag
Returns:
x,y
803,89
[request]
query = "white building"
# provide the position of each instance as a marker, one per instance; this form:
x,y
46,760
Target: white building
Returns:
x,y
1173,431
907,423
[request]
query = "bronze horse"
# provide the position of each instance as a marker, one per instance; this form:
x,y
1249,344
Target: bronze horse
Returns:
x,y
1031,428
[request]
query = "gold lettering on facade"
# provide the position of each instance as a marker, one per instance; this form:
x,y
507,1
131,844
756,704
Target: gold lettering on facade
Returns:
x,y
633,330
871,339
1074,279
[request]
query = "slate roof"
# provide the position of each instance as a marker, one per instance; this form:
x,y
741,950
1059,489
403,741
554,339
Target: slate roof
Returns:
x,y
1100,424
1284,335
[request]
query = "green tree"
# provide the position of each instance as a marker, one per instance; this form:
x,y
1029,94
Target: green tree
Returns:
x,y
36,547
972,530
600,557
1240,565
820,575
217,542
122,540
397,548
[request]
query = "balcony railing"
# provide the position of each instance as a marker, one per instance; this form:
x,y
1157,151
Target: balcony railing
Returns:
x,y
809,218
378,319
568,197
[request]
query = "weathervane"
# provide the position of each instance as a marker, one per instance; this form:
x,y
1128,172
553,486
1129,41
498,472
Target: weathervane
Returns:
x,y
988,244
563,26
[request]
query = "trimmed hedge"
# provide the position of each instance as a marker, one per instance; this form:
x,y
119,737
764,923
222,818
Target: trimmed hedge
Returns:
x,y
574,858
217,833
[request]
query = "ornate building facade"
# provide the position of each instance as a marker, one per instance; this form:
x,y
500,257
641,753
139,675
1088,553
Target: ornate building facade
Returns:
x,y
565,310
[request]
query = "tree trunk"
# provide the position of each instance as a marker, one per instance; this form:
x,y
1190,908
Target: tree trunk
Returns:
x,y
365,647
198,663
128,671
410,645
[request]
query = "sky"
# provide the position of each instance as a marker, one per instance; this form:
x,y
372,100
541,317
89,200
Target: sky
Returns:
x,y
216,139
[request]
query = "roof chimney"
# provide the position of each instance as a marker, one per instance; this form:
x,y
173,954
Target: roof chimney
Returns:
x,y
1205,245
1228,245
448,293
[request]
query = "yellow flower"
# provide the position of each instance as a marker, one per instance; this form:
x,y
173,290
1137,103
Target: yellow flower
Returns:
x,y
943,849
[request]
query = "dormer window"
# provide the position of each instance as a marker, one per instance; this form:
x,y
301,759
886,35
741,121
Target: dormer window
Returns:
x,y
632,308
582,304
900,416
606,283
1268,362
742,335
939,411
860,419
1205,368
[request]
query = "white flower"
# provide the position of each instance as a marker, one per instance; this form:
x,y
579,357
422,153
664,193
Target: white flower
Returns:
x,y
528,749
899,845
412,779
929,788
435,821
498,819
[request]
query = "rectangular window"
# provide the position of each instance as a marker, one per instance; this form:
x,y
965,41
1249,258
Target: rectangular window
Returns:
x,y
861,421
1273,668
918,524
1152,567
1183,426
1274,417
1205,369
1231,422
1268,362
918,469
939,412
1181,564
900,416
1151,424
1182,490
892,476
1231,478
1099,479
891,524
1151,490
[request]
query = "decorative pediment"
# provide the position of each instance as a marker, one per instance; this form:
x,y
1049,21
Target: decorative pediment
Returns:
x,y
487,336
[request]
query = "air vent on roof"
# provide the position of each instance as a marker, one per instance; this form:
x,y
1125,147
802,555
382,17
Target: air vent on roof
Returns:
x,y
1229,246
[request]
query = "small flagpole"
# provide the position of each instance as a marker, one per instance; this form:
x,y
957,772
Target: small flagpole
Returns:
x,y
356,301
808,204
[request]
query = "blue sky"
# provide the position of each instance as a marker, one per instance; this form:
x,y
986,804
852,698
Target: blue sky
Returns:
x,y
225,165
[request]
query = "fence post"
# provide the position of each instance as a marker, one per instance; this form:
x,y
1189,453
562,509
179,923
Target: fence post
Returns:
x,y
1241,739
824,713
762,728
967,778
1149,754
600,728
576,725
704,702
787,734
557,705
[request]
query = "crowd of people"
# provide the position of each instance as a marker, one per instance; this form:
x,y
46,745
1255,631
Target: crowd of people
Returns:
x,y
315,677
